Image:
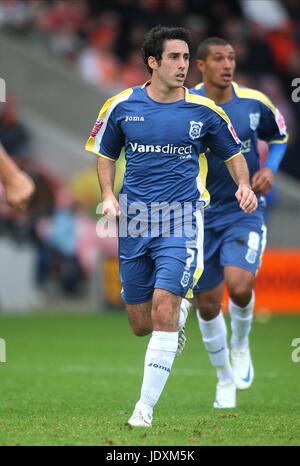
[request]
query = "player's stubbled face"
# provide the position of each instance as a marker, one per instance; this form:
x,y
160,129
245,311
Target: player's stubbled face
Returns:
x,y
174,63
219,65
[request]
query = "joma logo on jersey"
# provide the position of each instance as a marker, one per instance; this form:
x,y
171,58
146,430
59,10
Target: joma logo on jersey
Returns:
x,y
195,129
134,118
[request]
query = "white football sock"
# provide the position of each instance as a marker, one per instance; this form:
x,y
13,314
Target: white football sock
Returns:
x,y
214,335
241,321
185,306
159,358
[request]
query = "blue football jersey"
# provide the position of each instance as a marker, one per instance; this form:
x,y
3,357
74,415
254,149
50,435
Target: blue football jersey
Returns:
x,y
254,117
164,144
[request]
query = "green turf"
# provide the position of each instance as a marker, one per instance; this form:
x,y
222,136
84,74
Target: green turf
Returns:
x,y
73,380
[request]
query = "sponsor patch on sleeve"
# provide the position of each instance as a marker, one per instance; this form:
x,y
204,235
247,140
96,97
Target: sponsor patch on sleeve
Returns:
x,y
233,132
280,122
97,126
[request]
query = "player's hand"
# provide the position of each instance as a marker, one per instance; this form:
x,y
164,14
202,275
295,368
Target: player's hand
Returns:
x,y
247,198
19,190
262,180
110,207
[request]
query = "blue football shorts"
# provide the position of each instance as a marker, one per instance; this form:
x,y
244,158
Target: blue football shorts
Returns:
x,y
170,263
240,244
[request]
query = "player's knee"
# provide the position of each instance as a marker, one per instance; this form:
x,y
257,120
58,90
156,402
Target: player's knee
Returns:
x,y
164,317
208,306
140,330
241,293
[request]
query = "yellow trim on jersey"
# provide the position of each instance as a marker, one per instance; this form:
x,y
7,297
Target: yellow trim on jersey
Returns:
x,y
203,170
198,86
264,230
279,141
246,93
232,157
106,157
90,147
196,277
104,114
110,101
199,261
199,99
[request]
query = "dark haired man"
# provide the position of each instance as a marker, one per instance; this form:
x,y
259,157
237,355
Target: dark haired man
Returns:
x,y
233,241
163,128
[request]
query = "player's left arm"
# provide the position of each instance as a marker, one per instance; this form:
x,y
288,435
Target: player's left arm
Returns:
x,y
272,129
224,142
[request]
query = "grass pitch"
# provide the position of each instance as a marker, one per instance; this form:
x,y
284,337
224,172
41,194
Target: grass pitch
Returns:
x,y
74,380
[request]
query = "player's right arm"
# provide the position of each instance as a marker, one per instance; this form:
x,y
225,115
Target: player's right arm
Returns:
x,y
106,175
106,140
18,186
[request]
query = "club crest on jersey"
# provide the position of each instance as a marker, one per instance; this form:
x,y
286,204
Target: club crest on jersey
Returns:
x,y
254,120
185,278
97,126
195,129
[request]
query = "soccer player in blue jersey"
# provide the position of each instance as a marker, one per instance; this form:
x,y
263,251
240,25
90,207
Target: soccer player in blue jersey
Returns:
x,y
163,128
233,241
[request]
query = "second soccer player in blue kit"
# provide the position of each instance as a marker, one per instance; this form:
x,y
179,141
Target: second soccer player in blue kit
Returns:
x,y
233,241
163,129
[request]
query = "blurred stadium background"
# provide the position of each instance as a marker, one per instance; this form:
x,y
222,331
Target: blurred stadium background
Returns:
x,y
60,60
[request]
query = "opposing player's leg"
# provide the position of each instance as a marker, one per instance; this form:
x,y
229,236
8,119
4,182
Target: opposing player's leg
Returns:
x,y
241,257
